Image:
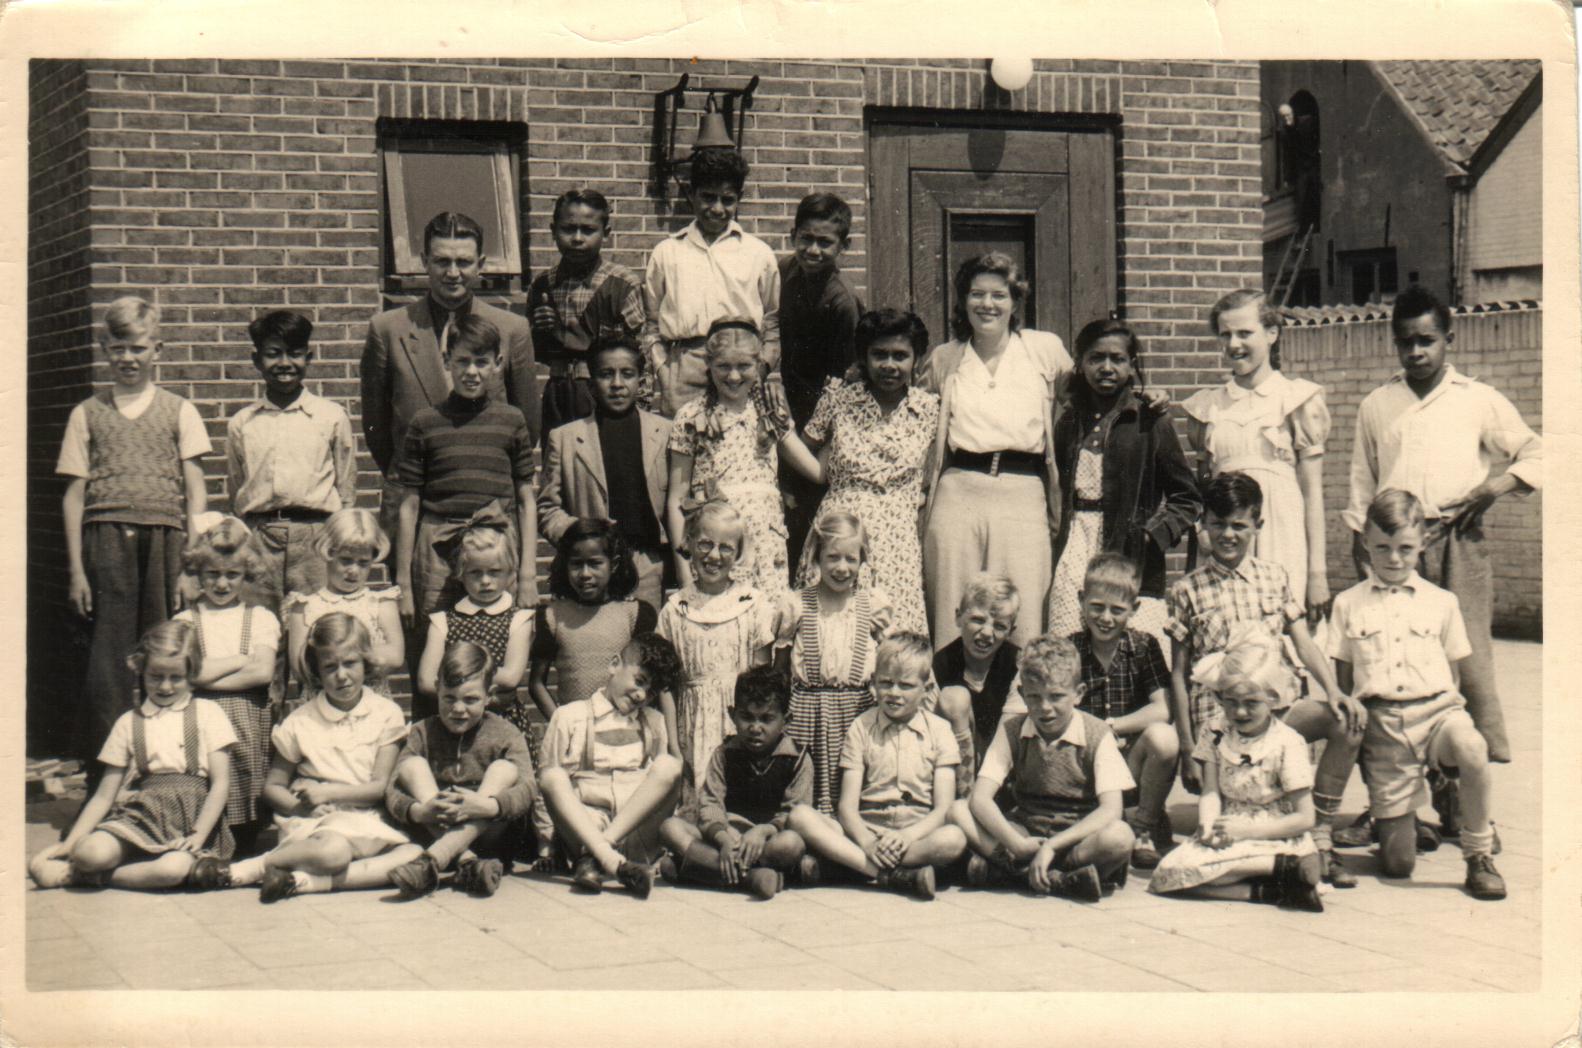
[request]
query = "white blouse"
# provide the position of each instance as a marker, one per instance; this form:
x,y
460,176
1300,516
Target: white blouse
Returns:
x,y
1002,411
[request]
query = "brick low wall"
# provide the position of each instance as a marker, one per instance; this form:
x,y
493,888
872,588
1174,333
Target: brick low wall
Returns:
x,y
1503,348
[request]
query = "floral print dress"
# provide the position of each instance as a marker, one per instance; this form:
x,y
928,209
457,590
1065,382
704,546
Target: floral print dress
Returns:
x,y
1256,779
732,459
876,467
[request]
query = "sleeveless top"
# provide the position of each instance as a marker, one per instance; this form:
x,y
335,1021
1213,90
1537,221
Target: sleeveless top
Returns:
x,y
134,464
1052,779
757,791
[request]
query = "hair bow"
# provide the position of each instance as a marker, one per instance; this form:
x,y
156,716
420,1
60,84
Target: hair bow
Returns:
x,y
447,537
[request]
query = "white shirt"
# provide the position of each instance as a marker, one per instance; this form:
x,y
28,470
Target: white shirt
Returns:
x,y
1400,640
1437,447
1003,411
165,739
222,629
301,457
1109,767
691,283
192,440
333,745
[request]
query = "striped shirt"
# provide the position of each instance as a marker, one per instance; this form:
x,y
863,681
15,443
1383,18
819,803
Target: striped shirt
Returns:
x,y
463,454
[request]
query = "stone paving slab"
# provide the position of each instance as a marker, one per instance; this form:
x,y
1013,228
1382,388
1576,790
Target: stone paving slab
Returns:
x,y
535,934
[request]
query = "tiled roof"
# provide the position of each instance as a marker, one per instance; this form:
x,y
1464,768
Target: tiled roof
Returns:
x,y
1314,316
1458,103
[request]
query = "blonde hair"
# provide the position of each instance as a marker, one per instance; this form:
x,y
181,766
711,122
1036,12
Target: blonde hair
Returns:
x,y
909,650
482,541
227,541
130,316
1053,659
352,529
712,511
1251,664
832,526
168,639
991,592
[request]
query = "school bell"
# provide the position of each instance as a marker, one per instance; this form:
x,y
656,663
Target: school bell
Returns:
x,y
711,128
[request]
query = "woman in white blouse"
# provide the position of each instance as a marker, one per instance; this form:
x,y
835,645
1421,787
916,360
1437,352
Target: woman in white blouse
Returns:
x,y
993,500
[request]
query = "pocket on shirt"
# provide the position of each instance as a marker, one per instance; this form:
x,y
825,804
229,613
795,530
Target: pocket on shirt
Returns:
x,y
1365,637
1423,644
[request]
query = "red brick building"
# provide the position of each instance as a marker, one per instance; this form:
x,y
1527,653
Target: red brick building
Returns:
x,y
221,188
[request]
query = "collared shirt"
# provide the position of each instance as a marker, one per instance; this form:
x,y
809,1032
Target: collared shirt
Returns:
x,y
192,439
569,312
620,741
1206,603
335,745
1110,773
897,760
715,802
1002,411
462,760
1400,640
165,738
299,457
223,629
691,283
1137,670
1437,447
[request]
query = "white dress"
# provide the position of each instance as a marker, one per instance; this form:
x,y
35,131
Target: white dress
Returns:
x,y
364,606
1263,432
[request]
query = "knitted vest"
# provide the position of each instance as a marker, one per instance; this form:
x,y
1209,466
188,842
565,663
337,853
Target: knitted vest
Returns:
x,y
586,638
1053,779
134,465
755,794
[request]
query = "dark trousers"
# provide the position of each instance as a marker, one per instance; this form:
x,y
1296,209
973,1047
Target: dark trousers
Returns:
x,y
1460,564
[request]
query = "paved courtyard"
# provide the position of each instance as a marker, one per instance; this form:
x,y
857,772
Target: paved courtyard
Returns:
x,y
1422,935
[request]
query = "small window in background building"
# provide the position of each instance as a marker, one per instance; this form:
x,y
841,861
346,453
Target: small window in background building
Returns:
x,y
430,166
1371,275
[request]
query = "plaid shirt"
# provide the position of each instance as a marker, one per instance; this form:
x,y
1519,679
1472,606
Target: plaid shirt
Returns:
x,y
1205,604
569,314
1137,671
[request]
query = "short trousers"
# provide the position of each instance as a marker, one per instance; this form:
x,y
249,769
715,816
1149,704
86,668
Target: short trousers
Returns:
x,y
893,816
1401,742
1035,825
597,793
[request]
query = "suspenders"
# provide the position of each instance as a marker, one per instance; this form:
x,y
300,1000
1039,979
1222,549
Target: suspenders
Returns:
x,y
189,738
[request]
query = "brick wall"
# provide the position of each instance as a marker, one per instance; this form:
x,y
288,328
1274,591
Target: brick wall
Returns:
x,y
1504,349
226,187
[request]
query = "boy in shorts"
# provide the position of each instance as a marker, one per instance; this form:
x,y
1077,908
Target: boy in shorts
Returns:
x,y
607,779
1399,642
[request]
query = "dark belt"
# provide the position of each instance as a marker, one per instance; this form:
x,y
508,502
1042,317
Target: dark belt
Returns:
x,y
568,368
695,342
292,514
1082,505
996,462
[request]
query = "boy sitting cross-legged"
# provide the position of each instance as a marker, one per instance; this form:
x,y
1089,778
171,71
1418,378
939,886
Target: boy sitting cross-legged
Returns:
x,y
606,779
1064,834
753,780
1401,641
898,778
464,782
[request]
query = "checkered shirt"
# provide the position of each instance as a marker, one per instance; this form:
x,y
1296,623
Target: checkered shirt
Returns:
x,y
1137,671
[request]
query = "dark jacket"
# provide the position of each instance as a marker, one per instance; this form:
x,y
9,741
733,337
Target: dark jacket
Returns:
x,y
1150,497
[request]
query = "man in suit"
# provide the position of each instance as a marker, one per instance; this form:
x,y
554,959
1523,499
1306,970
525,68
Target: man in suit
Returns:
x,y
403,370
613,466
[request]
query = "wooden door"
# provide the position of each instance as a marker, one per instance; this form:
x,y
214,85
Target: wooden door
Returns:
x,y
941,193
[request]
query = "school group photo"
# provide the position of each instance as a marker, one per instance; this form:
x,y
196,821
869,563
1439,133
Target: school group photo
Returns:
x,y
909,524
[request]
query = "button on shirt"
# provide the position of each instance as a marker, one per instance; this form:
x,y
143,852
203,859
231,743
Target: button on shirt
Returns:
x,y
333,745
1400,640
165,739
690,283
1002,411
897,760
299,457
1437,447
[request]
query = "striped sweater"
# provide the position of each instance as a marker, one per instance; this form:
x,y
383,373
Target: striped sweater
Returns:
x,y
463,454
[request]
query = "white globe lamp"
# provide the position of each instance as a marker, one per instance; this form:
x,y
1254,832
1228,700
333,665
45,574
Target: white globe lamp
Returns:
x,y
1011,74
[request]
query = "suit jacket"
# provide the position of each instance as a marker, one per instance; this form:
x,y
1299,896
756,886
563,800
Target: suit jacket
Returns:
x,y
574,484
402,372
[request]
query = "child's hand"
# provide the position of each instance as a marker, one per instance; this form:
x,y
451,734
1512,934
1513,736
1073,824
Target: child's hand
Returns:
x,y
427,813
464,805
407,607
731,864
192,844
1227,830
314,794
1351,714
58,850
80,595
1024,849
882,619
1155,400
891,849
753,843
1191,777
1038,868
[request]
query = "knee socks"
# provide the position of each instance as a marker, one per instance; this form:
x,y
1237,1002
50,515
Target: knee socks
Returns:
x,y
1327,807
